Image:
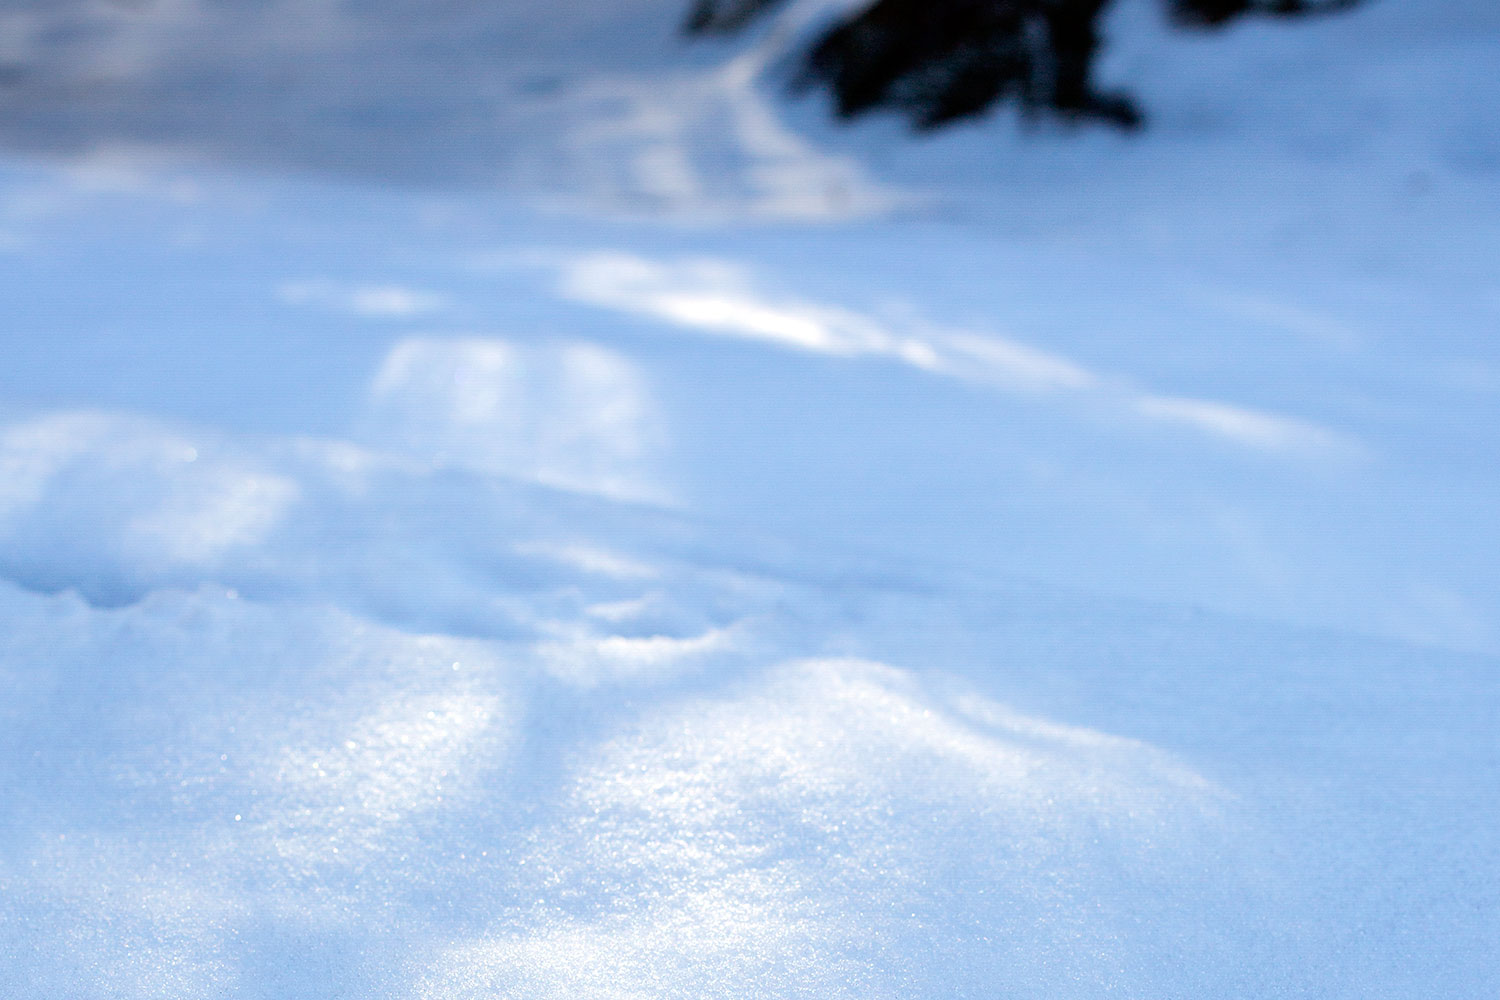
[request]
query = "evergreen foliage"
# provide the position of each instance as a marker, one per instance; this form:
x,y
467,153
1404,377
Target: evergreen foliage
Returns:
x,y
938,61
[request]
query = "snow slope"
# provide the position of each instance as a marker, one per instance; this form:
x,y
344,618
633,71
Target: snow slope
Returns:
x,y
490,510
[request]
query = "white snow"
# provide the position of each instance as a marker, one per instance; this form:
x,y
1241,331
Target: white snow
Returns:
x,y
495,501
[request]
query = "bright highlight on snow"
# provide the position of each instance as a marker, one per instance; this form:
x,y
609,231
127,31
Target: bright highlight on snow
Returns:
x,y
715,298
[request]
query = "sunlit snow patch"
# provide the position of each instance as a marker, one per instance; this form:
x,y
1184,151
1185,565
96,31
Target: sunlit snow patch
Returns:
x,y
720,298
840,829
585,658
701,145
575,416
106,500
393,302
1266,431
279,796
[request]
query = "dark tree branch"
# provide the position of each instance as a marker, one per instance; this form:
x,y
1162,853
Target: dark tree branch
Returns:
x,y
1215,13
939,61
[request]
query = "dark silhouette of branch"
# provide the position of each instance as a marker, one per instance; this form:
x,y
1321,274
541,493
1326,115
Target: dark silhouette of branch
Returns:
x,y
938,61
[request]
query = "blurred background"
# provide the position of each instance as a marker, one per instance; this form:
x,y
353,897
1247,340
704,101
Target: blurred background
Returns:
x,y
1241,355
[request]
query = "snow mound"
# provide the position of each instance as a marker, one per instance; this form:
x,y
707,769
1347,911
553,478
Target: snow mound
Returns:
x,y
269,796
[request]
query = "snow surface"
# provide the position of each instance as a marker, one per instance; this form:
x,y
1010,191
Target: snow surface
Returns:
x,y
495,502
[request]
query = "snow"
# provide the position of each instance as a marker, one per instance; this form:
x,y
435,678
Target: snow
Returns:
x,y
497,502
